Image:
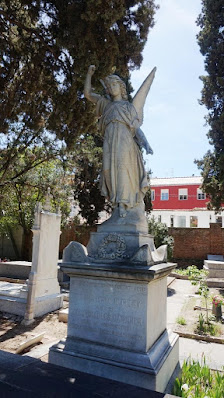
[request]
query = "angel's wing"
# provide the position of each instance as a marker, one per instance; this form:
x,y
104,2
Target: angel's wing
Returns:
x,y
140,96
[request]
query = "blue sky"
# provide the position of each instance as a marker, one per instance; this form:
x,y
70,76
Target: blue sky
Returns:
x,y
173,119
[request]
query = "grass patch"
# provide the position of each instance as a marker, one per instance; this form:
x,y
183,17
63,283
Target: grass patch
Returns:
x,y
181,320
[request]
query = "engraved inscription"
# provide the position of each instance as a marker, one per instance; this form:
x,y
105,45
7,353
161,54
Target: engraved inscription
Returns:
x,y
111,312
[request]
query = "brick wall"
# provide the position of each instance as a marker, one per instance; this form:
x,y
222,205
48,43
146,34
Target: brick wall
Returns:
x,y
197,243
78,233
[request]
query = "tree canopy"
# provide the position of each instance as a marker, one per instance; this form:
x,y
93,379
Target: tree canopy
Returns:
x,y
211,42
46,47
19,199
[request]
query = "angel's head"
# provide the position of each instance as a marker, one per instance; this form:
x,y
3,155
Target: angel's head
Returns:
x,y
116,86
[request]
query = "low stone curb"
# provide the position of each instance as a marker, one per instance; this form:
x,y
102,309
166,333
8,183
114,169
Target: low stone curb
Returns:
x,y
178,276
194,336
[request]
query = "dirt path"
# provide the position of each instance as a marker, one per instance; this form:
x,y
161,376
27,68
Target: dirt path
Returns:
x,y
13,333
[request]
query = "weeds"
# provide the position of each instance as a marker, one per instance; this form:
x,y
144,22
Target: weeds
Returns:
x,y
181,321
198,381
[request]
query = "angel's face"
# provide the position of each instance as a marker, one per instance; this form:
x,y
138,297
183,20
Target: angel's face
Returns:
x,y
114,88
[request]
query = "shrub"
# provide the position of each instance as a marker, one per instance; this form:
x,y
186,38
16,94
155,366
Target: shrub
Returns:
x,y
161,235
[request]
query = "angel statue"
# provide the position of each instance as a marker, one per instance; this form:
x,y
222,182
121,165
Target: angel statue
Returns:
x,y
124,180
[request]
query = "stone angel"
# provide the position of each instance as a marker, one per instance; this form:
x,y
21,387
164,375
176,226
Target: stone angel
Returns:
x,y
124,180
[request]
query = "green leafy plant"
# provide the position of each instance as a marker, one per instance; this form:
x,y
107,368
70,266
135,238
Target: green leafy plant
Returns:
x,y
199,277
181,320
201,323
161,235
198,381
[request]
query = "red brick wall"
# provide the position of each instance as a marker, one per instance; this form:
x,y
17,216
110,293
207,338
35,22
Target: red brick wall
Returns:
x,y
78,233
197,243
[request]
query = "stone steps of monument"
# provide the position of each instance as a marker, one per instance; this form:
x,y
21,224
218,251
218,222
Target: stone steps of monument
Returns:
x,y
215,282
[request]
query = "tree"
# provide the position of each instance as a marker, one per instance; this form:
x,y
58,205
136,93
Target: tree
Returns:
x,y
46,47
211,42
29,63
18,200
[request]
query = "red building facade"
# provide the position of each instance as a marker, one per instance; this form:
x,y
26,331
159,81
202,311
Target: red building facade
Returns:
x,y
180,202
177,193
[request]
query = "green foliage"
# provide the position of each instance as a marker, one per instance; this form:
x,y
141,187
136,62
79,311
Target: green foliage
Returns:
x,y
199,277
18,199
87,180
46,48
211,42
198,381
161,235
181,320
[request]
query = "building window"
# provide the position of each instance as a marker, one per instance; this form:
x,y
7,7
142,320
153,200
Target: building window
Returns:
x,y
152,194
200,195
183,193
181,221
193,222
171,221
159,219
164,194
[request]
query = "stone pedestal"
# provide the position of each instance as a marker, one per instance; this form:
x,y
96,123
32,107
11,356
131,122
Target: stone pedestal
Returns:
x,y
117,324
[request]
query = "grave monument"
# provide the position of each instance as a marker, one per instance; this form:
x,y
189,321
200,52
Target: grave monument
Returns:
x,y
118,285
41,292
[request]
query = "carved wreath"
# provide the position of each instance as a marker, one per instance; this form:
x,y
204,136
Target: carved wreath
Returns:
x,y
113,246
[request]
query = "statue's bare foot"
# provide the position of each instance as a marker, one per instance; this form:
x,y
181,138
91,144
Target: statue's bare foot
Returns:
x,y
122,210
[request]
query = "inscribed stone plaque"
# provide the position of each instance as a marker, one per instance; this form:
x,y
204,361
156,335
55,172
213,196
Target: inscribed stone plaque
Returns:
x,y
109,312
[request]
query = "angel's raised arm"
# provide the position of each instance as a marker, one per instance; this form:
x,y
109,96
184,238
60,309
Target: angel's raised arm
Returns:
x,y
140,96
89,94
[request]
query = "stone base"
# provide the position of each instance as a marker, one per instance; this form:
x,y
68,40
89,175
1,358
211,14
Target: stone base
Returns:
x,y
215,269
134,222
43,305
150,370
117,324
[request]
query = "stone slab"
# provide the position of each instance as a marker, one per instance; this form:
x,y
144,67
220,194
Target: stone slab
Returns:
x,y
216,257
10,289
215,268
43,380
215,282
15,269
11,302
13,305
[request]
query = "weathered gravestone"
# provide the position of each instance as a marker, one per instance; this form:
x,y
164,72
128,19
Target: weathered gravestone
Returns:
x,y
41,293
43,290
